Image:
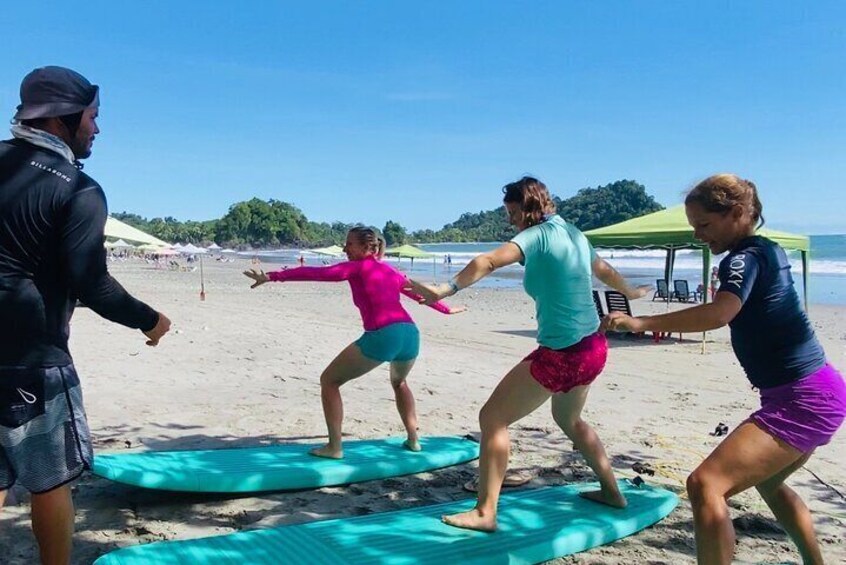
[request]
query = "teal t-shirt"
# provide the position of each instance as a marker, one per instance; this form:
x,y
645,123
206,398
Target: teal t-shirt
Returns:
x,y
557,257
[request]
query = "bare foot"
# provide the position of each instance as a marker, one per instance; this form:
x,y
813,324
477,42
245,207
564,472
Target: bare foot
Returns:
x,y
614,499
412,445
471,520
327,452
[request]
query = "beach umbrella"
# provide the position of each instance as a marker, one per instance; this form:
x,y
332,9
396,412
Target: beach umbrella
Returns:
x,y
191,249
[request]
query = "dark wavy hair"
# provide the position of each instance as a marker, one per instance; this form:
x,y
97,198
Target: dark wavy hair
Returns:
x,y
722,192
533,198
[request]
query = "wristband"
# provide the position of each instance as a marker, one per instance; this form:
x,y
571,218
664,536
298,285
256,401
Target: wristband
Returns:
x,y
453,287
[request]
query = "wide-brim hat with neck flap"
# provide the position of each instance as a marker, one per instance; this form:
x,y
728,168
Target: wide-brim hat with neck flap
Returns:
x,y
49,92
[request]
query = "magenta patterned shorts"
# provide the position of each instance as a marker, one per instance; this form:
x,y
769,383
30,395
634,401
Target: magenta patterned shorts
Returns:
x,y
559,370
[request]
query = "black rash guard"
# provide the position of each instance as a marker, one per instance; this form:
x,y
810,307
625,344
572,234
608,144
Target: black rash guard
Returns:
x,y
771,335
52,218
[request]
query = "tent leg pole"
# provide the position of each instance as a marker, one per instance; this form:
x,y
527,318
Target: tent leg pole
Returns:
x,y
706,281
805,278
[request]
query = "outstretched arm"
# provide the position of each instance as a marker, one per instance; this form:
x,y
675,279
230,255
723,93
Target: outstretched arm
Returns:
x,y
441,307
333,273
701,318
477,269
611,277
84,262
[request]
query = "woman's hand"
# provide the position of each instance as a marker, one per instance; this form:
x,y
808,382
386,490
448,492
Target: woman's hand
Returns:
x,y
619,322
431,293
457,309
258,276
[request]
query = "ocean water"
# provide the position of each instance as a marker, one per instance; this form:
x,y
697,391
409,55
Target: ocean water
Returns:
x,y
827,281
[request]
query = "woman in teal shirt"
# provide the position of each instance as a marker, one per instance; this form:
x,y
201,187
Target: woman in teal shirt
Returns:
x,y
559,262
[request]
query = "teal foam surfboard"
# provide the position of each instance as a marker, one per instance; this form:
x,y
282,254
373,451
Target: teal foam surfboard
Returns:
x,y
535,525
280,467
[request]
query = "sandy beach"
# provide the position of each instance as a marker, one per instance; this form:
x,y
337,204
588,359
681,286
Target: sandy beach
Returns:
x,y
241,369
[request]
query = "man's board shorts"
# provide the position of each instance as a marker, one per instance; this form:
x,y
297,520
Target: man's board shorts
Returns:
x,y
804,414
559,370
44,436
396,342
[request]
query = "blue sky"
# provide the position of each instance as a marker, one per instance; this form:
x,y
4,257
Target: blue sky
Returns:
x,y
417,112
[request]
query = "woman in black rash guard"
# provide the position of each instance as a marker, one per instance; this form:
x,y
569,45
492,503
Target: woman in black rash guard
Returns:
x,y
803,398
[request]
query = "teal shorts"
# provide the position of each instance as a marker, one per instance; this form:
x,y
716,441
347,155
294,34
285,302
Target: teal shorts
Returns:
x,y
397,342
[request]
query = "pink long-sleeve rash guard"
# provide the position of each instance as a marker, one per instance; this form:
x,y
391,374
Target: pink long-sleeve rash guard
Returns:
x,y
376,289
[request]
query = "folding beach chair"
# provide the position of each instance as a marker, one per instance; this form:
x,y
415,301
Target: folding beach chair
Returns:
x,y
617,302
682,291
662,290
597,301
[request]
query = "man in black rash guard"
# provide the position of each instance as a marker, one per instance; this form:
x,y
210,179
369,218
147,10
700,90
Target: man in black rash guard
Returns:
x,y
52,217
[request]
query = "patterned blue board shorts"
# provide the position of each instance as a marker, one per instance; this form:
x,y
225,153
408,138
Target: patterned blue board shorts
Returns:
x,y
397,342
44,436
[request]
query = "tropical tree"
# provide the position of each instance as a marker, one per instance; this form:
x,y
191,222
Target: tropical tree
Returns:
x,y
394,233
263,223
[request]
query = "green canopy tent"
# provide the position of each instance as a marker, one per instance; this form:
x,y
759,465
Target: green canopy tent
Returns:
x,y
668,229
407,251
412,253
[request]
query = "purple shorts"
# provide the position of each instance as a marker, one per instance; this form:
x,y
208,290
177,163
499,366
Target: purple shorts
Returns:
x,y
559,370
806,413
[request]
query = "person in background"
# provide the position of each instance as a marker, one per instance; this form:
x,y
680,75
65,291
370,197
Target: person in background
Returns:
x,y
715,281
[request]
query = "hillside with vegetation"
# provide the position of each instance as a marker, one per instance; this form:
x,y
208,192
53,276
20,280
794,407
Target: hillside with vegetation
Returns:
x,y
273,223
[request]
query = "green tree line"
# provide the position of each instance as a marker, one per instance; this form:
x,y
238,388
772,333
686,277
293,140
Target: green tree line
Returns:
x,y
260,223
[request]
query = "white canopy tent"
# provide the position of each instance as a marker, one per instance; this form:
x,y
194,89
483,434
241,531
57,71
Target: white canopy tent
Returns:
x,y
332,251
115,229
118,245
191,249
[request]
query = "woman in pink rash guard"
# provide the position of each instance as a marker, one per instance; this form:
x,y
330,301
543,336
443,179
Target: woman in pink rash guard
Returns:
x,y
390,335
